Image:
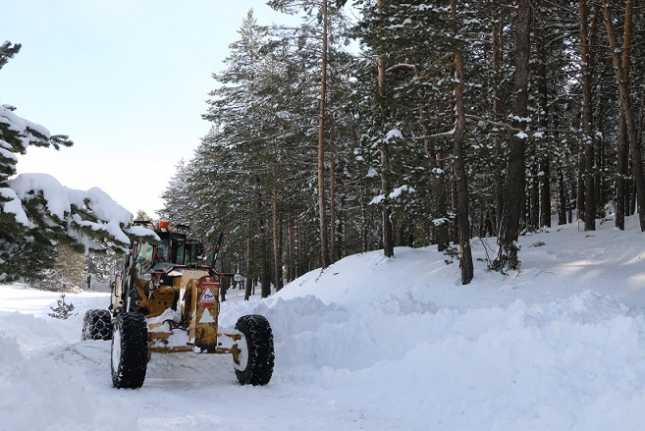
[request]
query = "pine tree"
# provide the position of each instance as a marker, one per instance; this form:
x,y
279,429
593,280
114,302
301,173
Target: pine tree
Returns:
x,y
452,120
37,213
516,175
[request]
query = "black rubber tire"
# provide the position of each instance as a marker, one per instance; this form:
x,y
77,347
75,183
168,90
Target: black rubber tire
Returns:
x,y
129,359
97,325
261,356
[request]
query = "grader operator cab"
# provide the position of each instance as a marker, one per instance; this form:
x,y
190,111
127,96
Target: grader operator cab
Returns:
x,y
166,300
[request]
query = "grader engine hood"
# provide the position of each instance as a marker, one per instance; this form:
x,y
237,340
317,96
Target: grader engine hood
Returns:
x,y
195,314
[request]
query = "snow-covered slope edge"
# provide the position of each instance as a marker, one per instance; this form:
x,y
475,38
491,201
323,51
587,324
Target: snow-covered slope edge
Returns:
x,y
559,345
372,343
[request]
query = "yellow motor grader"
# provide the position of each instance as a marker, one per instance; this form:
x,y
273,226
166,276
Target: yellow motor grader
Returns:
x,y
166,300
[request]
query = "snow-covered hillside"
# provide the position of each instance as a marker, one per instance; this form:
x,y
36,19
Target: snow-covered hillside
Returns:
x,y
373,344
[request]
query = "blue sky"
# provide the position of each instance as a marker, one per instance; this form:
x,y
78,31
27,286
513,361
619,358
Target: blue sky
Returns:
x,y
126,79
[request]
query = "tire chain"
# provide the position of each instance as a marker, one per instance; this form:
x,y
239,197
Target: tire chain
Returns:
x,y
97,325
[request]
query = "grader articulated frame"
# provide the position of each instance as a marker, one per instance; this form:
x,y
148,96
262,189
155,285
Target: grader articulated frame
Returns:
x,y
166,301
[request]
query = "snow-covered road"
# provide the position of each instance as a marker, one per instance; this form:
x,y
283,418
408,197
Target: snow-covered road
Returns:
x,y
372,344
50,380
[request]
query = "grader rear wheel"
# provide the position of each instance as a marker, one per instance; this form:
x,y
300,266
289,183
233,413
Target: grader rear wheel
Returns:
x,y
97,325
257,357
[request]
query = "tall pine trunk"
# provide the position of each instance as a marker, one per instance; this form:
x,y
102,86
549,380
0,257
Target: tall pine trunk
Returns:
x,y
265,276
333,246
622,141
562,199
461,182
388,231
534,192
545,147
248,286
624,94
439,199
515,177
324,252
276,237
587,117
291,249
498,110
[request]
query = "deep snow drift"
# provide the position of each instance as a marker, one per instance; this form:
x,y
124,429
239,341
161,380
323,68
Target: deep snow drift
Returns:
x,y
375,344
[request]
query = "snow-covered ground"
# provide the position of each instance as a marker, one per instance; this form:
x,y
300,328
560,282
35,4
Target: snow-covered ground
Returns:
x,y
373,344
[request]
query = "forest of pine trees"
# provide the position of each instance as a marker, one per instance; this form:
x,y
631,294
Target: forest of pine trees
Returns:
x,y
422,122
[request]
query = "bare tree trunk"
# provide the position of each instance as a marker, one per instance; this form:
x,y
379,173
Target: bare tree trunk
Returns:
x,y
587,118
622,174
515,178
599,174
545,192
340,240
441,227
626,106
300,250
641,120
569,206
281,248
439,198
324,253
277,240
333,246
264,242
364,242
363,198
291,249
388,236
461,182
225,281
498,109
534,193
622,142
266,262
580,187
545,147
562,194
248,267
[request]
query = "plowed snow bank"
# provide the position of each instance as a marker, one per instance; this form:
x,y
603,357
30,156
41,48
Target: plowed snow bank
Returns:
x,y
374,343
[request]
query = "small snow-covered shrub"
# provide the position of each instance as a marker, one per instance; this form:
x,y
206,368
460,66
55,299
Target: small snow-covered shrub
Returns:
x,y
62,310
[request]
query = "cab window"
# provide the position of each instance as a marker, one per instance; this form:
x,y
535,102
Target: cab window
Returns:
x,y
162,251
180,252
145,252
144,258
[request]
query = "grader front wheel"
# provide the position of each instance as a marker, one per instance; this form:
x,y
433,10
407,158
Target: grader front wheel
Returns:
x,y
257,357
